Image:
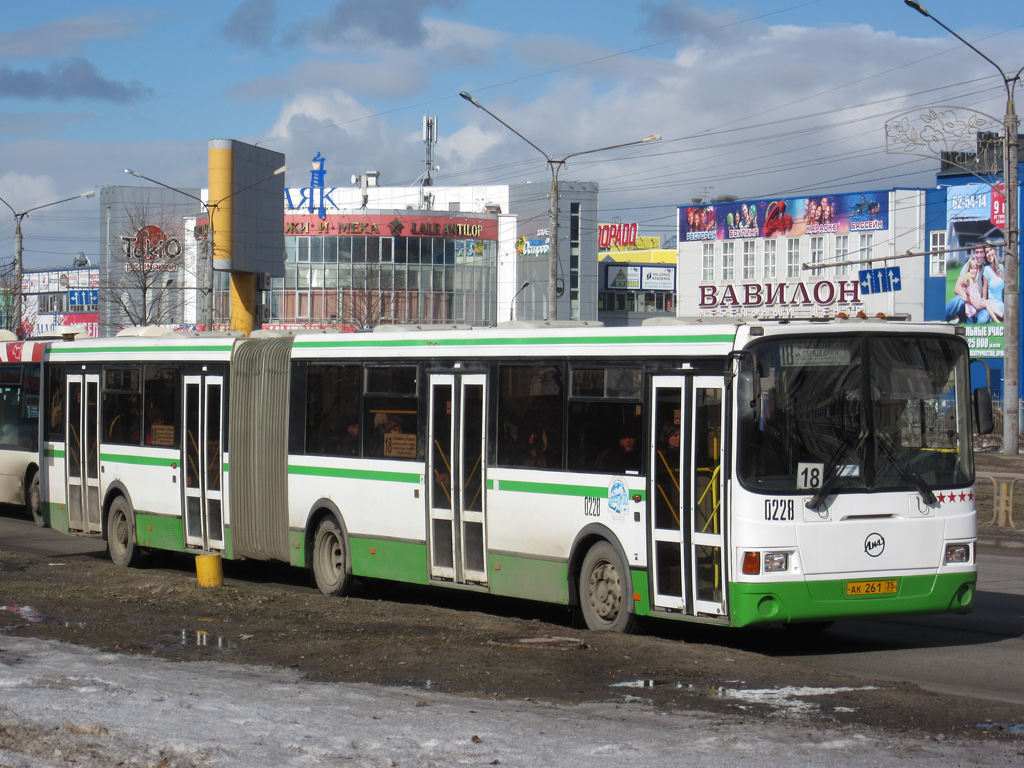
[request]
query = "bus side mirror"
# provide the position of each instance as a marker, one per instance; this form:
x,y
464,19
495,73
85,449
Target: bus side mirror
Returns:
x,y
983,411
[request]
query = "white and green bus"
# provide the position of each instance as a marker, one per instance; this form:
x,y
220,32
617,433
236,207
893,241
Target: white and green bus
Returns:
x,y
735,473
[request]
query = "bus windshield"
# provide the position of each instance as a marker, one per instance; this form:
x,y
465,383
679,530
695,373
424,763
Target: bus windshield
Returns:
x,y
826,414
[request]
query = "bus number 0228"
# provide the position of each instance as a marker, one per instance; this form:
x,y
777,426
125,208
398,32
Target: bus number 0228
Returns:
x,y
781,510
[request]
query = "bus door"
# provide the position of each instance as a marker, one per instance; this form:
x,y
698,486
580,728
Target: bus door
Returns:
x,y
82,453
202,464
456,483
686,492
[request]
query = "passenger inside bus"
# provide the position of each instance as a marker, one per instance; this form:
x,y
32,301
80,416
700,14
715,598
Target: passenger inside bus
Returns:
x,y
624,455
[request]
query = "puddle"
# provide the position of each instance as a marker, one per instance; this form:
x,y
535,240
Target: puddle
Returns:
x,y
1014,729
555,643
788,700
200,638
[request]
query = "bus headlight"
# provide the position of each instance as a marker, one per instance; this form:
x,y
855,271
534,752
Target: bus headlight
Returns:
x,y
774,562
958,553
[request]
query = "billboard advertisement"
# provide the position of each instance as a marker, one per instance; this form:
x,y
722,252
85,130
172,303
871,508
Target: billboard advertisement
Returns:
x,y
975,221
794,216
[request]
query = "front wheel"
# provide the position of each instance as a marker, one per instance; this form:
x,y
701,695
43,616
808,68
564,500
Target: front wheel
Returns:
x,y
602,584
121,544
330,559
34,502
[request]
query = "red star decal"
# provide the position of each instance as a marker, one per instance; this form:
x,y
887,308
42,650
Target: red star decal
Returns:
x,y
963,496
970,496
942,497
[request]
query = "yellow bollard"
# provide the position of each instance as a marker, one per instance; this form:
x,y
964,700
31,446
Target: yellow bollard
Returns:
x,y
209,571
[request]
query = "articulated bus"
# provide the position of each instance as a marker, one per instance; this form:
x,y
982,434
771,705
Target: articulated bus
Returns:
x,y
19,423
737,473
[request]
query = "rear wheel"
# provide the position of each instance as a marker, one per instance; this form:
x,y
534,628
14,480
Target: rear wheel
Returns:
x,y
330,559
602,591
121,544
34,501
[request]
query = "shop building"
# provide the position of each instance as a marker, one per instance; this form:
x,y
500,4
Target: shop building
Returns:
x,y
61,297
803,257
638,276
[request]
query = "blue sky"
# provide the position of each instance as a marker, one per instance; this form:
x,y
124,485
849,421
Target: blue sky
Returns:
x,y
778,97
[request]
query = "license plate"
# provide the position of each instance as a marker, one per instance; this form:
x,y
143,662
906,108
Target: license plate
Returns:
x,y
882,587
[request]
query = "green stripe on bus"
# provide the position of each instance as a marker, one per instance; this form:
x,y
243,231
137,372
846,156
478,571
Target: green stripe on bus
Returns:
x,y
147,461
557,489
134,349
485,341
355,474
827,600
53,453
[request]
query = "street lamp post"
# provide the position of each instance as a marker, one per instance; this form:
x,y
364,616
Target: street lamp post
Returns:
x,y
19,256
1011,294
512,304
556,165
205,278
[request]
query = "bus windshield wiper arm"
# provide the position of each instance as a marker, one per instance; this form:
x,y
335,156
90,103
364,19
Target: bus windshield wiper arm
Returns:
x,y
904,466
823,491
830,482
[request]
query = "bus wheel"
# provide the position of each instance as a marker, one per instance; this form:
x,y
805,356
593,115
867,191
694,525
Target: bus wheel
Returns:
x,y
121,544
330,564
34,502
601,591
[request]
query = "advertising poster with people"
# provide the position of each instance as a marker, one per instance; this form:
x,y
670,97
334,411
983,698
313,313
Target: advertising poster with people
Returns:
x,y
793,216
975,221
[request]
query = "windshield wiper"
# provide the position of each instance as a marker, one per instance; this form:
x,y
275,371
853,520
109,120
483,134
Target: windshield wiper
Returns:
x,y
903,466
830,482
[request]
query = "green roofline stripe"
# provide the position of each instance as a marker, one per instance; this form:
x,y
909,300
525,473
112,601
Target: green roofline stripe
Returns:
x,y
483,341
355,474
162,348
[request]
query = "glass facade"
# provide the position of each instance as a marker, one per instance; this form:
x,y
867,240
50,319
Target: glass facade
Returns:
x,y
363,281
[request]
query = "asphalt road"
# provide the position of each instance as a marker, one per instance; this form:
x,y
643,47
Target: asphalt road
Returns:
x,y
977,655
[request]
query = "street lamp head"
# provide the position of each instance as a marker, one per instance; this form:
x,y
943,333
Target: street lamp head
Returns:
x,y
90,193
133,173
652,137
470,99
917,7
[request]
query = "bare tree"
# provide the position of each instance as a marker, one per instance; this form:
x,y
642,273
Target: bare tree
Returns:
x,y
151,280
8,295
367,301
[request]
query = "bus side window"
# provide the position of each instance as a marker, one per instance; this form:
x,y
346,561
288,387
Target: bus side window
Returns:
x,y
530,414
162,391
122,406
605,424
55,408
391,413
332,416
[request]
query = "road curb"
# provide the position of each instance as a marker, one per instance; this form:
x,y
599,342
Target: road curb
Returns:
x,y
1001,542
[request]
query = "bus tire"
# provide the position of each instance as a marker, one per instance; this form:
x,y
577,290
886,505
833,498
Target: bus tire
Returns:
x,y
330,559
602,584
34,501
121,546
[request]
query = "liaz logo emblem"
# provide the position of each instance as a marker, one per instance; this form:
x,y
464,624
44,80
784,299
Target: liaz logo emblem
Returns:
x,y
874,544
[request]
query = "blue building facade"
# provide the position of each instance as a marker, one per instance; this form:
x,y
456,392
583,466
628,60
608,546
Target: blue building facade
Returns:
x,y
966,229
